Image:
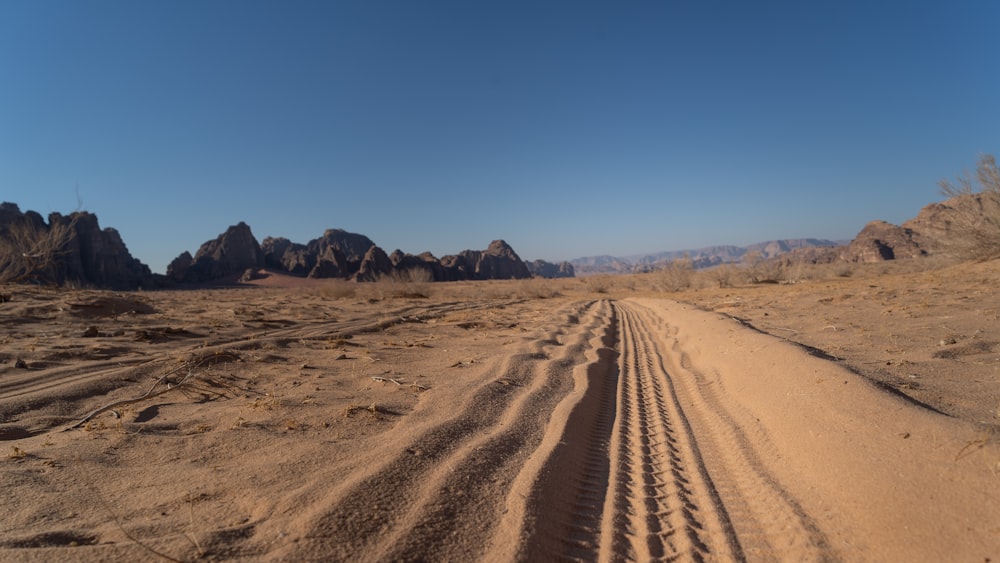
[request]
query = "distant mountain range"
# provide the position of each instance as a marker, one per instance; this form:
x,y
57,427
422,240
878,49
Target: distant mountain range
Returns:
x,y
74,249
705,257
96,257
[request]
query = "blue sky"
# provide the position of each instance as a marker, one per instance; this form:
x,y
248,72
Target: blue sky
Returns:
x,y
567,128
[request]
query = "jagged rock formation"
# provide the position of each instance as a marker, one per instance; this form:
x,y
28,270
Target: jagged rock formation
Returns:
x,y
337,254
91,256
283,254
374,266
340,254
423,267
497,262
232,252
879,241
543,269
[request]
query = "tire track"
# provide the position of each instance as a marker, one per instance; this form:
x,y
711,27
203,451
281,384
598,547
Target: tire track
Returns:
x,y
662,503
770,523
446,484
652,466
22,392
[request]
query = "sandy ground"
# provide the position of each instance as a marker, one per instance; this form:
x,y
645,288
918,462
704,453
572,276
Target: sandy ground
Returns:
x,y
848,418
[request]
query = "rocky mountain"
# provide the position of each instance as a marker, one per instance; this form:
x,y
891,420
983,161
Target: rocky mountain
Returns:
x,y
879,241
231,253
336,254
543,269
931,232
497,262
340,254
87,255
704,257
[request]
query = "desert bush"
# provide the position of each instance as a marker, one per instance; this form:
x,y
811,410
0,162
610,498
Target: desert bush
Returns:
x,y
338,289
762,270
29,252
723,275
973,230
598,284
538,288
675,276
406,284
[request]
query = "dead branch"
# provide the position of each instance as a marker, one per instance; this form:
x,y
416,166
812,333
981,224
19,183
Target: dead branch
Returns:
x,y
397,382
149,394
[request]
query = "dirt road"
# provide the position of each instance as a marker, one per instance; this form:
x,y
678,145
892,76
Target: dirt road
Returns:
x,y
703,440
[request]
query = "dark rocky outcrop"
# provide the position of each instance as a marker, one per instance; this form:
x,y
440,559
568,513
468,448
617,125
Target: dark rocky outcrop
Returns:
x,y
497,262
543,269
336,254
344,248
90,255
283,254
98,256
231,253
332,263
879,241
178,267
423,267
339,254
375,266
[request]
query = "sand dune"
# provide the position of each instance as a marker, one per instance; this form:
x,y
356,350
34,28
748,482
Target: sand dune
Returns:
x,y
483,423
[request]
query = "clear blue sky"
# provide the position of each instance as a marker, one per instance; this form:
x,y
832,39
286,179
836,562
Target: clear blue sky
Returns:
x,y
567,128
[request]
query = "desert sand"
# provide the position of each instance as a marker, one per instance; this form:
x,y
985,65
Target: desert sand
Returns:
x,y
846,418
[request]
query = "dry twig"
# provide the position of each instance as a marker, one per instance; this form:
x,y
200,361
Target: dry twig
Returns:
x,y
147,395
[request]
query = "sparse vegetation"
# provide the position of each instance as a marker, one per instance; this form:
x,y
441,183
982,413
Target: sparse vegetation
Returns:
x,y
760,269
598,284
675,276
973,228
537,288
30,252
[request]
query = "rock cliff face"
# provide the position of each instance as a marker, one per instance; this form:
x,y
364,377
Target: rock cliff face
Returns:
x,y
336,254
91,256
497,262
374,266
232,253
423,267
283,254
98,256
543,269
879,241
345,255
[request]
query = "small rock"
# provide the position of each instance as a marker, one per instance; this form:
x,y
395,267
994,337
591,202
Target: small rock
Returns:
x,y
947,342
91,332
20,364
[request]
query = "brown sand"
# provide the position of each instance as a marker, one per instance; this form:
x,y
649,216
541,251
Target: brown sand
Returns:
x,y
504,421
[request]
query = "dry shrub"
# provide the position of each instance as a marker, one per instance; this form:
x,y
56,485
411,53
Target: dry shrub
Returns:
x,y
762,270
29,252
400,284
598,284
538,288
675,276
724,275
335,289
973,225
